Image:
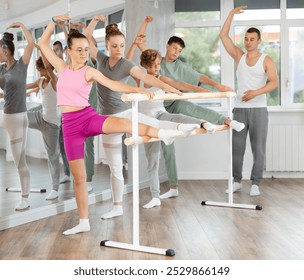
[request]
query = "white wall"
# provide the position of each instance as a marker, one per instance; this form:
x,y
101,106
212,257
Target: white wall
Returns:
x,y
206,156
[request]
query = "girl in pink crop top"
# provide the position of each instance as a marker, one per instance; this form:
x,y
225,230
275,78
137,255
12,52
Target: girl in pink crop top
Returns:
x,y
72,87
79,119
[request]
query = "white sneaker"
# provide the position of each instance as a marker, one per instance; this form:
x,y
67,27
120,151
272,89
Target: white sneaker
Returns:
x,y
236,187
65,179
255,191
89,187
23,204
52,195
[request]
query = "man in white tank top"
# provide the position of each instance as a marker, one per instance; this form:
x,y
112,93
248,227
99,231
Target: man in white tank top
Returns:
x,y
256,76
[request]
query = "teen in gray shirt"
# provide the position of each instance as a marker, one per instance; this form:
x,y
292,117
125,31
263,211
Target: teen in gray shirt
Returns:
x,y
116,67
14,118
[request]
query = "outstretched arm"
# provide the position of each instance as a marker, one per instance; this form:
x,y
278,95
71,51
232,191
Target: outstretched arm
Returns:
x,y
182,85
89,34
139,40
33,85
30,41
208,81
95,75
33,90
229,45
44,44
152,81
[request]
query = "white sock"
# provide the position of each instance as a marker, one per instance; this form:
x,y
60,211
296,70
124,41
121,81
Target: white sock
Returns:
x,y
168,135
211,128
115,212
83,226
52,195
170,193
238,126
154,202
187,128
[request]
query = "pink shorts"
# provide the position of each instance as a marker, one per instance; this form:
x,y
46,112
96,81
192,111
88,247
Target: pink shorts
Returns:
x,y
77,127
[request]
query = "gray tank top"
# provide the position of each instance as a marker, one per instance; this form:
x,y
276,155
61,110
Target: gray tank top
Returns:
x,y
13,84
110,101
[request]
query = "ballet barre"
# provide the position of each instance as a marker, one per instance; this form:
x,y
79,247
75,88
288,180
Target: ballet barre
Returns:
x,y
130,97
135,140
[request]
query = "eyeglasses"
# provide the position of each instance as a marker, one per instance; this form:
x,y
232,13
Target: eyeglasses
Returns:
x,y
81,51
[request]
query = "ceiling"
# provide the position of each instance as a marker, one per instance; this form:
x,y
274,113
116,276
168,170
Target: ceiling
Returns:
x,y
16,8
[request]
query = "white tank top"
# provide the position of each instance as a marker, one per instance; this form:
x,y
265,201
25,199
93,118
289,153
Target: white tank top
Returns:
x,y
250,78
50,110
152,108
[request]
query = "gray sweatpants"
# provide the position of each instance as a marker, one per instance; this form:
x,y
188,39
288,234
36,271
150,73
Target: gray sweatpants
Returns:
x,y
153,151
153,156
50,134
256,123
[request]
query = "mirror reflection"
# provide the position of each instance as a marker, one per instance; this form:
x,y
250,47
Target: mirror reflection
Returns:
x,y
46,194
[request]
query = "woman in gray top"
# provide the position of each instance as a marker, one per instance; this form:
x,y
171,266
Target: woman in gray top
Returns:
x,y
117,68
14,119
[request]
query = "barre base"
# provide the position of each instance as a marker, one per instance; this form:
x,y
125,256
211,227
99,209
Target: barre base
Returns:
x,y
232,205
31,190
139,248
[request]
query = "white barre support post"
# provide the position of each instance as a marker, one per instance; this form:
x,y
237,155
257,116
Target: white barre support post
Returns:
x,y
135,98
230,175
135,172
69,14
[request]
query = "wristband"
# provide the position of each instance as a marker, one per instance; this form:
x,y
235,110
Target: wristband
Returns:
x,y
53,20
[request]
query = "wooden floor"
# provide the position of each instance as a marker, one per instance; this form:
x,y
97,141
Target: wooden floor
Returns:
x,y
194,231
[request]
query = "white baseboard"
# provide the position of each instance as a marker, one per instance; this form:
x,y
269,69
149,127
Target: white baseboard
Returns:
x,y
284,174
246,175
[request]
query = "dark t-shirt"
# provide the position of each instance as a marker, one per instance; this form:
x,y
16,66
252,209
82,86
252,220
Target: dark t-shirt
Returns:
x,y
110,101
13,84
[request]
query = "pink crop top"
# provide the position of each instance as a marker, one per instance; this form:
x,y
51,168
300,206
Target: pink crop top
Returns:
x,y
72,87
